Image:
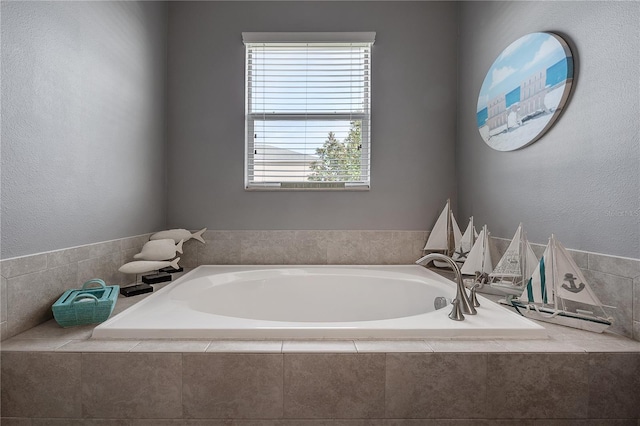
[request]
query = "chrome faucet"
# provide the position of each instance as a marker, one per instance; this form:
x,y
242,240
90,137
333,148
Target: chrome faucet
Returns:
x,y
462,303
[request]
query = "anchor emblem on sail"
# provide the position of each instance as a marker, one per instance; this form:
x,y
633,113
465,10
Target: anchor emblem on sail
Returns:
x,y
572,284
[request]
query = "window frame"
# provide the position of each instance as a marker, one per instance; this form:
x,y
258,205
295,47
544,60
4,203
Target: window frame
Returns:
x,y
340,39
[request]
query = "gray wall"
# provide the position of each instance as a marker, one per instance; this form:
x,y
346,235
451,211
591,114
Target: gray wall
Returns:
x,y
83,130
413,113
581,180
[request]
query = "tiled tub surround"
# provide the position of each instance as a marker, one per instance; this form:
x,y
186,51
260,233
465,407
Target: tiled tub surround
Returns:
x,y
56,376
30,284
52,375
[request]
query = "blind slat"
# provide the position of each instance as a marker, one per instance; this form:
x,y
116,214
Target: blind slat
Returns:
x,y
307,113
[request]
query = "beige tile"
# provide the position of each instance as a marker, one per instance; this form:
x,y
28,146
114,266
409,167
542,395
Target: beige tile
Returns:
x,y
636,299
327,346
614,383
34,345
4,334
41,384
613,345
141,385
445,422
327,422
537,385
98,346
465,346
222,251
128,256
561,332
629,268
306,251
263,252
232,385
545,346
392,346
171,346
422,385
580,257
135,243
15,421
347,248
67,256
10,268
29,297
52,330
189,257
104,267
407,246
246,346
334,385
3,299
615,291
80,422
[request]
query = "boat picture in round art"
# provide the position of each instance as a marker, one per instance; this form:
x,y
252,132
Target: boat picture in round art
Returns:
x,y
524,91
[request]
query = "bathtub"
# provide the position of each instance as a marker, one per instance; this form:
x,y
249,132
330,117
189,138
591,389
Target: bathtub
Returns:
x,y
310,302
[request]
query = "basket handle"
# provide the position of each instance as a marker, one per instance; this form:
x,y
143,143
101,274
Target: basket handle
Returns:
x,y
94,281
83,296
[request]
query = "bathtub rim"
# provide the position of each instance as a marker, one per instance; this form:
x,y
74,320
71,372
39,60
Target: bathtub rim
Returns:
x,y
474,327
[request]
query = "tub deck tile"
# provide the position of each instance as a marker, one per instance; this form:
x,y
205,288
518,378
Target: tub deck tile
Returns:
x,y
465,346
32,345
171,346
245,346
392,346
310,346
98,346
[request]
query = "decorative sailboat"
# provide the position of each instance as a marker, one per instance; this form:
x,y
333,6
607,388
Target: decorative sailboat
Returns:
x,y
479,260
466,243
444,236
557,292
515,267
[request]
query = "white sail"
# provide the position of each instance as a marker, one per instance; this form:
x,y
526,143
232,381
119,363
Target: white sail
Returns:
x,y
466,242
439,236
479,258
537,289
519,260
457,235
531,261
569,280
563,279
558,280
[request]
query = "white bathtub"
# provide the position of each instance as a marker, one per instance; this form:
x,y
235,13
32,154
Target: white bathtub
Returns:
x,y
310,302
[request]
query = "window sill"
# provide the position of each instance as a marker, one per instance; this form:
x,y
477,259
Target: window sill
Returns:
x,y
309,187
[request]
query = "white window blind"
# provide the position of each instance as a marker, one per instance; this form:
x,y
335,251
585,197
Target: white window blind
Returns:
x,y
308,119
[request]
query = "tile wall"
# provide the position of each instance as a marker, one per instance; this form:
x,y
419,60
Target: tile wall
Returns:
x,y
30,284
270,389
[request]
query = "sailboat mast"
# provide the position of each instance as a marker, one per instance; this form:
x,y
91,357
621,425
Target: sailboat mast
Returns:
x,y
450,239
554,274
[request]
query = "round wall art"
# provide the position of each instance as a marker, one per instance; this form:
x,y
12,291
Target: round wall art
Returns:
x,y
524,91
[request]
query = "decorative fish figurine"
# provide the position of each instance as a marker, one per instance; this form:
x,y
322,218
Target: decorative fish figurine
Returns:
x,y
159,250
179,234
140,266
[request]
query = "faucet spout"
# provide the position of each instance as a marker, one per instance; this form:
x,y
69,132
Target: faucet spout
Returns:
x,y
461,294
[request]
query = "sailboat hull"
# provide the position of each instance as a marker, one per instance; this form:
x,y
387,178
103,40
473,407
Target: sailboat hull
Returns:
x,y
568,319
507,287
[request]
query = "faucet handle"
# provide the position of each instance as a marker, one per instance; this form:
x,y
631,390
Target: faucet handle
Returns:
x,y
473,298
456,312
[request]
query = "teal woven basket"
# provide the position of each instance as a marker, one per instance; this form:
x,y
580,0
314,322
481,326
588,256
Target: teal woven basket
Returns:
x,y
86,305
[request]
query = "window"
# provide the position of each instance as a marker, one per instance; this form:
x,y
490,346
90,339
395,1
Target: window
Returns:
x,y
307,114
